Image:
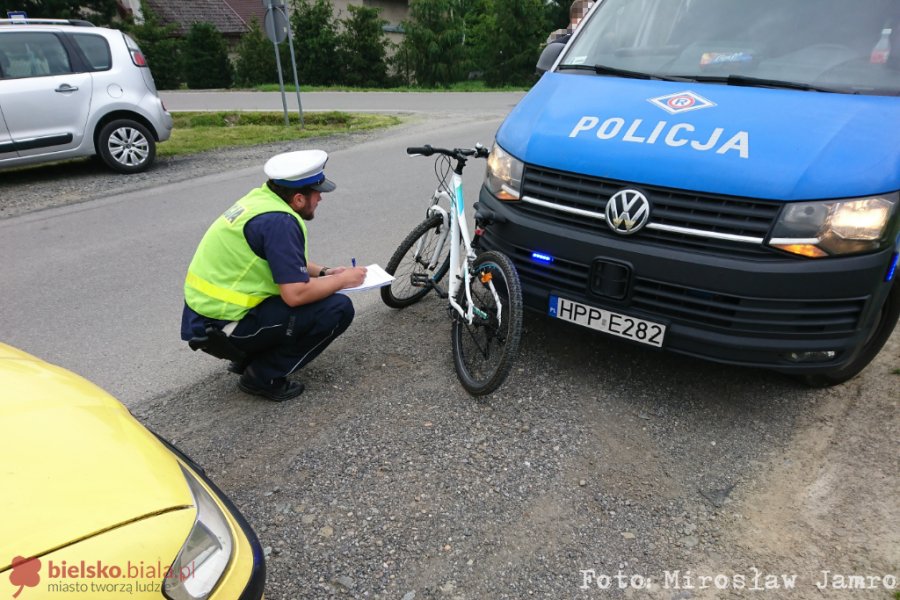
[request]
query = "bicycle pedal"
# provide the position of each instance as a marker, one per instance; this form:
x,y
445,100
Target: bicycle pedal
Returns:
x,y
420,280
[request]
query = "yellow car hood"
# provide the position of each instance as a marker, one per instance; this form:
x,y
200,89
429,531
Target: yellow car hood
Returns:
x,y
73,461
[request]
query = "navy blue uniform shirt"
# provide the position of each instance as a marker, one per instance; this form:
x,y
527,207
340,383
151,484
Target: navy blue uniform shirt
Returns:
x,y
275,237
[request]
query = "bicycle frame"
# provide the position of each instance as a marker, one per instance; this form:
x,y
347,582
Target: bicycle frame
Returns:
x,y
455,223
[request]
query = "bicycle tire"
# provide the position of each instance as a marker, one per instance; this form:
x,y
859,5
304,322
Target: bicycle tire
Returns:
x,y
484,352
403,265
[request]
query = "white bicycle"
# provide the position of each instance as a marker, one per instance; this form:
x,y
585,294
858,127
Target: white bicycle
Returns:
x,y
484,293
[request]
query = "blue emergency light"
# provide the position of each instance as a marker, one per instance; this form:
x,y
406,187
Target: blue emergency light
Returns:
x,y
892,270
540,258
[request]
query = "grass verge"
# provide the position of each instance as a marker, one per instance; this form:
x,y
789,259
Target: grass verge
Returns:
x,y
198,132
462,86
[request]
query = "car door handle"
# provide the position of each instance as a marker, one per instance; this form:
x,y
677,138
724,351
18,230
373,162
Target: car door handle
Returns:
x,y
64,88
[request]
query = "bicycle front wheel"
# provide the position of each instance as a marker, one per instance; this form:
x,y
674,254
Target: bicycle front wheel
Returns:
x,y
484,351
409,265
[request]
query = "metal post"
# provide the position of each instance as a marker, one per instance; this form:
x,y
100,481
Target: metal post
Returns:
x,y
290,38
281,84
276,25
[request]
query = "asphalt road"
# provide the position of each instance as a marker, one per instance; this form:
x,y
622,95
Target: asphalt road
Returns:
x,y
498,103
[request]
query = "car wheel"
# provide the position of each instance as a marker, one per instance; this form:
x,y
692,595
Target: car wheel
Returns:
x,y
126,146
878,336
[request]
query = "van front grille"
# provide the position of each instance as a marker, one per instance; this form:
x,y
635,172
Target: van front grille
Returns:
x,y
705,222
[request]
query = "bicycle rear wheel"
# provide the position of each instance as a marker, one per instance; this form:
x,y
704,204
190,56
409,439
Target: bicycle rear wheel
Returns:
x,y
409,264
483,352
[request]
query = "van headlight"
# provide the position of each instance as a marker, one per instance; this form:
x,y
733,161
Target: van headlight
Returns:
x,y
206,553
503,177
834,227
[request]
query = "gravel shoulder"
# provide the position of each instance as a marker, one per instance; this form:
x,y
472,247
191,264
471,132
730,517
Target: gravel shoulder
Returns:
x,y
386,480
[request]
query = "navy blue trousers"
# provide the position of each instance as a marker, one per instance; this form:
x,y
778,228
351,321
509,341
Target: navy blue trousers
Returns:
x,y
281,339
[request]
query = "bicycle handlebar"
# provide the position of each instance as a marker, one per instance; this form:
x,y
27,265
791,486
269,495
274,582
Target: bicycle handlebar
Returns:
x,y
478,151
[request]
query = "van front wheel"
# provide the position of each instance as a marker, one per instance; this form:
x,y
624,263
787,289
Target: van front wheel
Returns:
x,y
884,326
126,146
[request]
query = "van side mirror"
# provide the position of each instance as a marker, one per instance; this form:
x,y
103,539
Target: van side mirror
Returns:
x,y
549,55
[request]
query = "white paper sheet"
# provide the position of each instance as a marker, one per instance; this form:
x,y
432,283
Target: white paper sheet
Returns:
x,y
376,277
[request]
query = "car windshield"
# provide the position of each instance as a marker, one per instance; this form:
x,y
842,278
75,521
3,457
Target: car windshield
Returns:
x,y
846,46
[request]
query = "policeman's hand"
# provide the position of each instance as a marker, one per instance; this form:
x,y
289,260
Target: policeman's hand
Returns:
x,y
353,276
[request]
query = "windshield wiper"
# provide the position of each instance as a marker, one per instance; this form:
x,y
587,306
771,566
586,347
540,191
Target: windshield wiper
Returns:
x,y
746,81
606,70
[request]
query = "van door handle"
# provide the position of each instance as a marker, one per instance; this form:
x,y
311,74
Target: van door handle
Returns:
x,y
64,88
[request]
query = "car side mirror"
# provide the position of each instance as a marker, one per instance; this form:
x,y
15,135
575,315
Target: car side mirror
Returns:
x,y
549,55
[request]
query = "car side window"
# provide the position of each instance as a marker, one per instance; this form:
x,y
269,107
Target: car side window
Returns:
x,y
32,54
96,51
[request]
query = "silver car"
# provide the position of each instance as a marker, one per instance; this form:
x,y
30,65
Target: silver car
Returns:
x,y
69,89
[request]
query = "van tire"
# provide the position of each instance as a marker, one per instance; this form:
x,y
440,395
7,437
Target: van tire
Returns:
x,y
884,326
126,146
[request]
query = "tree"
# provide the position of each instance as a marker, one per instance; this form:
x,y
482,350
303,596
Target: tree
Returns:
x,y
206,63
99,12
479,25
434,40
363,47
160,47
256,59
315,42
520,29
557,12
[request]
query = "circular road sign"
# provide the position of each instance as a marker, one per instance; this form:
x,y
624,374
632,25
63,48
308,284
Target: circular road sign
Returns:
x,y
276,25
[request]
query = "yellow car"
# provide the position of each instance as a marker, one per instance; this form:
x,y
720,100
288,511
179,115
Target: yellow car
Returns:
x,y
94,503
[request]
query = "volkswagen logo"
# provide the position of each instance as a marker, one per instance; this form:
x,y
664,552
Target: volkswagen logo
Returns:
x,y
627,211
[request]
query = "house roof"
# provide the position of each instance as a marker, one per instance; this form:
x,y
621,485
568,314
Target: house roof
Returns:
x,y
248,9
184,14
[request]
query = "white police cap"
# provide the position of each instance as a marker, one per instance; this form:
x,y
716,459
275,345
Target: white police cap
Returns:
x,y
303,168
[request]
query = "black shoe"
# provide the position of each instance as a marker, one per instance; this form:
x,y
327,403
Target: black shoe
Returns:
x,y
238,367
279,391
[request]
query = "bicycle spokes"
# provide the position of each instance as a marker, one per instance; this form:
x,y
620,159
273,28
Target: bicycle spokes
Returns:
x,y
411,264
484,333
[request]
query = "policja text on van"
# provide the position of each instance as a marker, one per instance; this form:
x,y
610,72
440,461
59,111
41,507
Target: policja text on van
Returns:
x,y
675,135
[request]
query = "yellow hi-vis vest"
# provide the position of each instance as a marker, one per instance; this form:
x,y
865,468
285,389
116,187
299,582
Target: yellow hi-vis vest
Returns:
x,y
226,278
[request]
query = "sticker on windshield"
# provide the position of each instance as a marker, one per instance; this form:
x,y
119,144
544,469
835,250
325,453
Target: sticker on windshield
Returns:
x,y
681,102
578,60
709,59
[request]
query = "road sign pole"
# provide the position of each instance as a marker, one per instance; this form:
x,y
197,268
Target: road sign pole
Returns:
x,y
287,121
277,27
290,38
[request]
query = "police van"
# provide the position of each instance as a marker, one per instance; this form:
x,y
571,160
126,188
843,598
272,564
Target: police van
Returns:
x,y
716,178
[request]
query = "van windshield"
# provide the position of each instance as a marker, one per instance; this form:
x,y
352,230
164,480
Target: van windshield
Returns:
x,y
846,46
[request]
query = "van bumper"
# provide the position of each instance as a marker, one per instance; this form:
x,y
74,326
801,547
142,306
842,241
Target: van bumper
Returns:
x,y
742,311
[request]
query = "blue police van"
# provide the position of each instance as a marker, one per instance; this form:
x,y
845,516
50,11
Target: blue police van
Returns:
x,y
716,178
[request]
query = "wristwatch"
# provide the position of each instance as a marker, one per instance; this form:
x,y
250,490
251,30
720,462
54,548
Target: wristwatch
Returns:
x,y
322,271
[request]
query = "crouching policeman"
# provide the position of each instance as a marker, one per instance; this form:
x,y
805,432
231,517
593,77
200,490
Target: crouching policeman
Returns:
x,y
251,293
